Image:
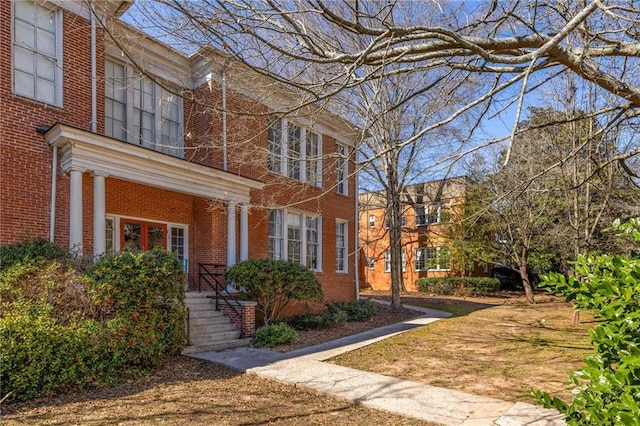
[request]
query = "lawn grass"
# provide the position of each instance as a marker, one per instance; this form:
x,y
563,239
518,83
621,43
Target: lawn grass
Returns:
x,y
488,347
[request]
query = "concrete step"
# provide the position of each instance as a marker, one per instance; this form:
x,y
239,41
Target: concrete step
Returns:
x,y
196,339
217,346
199,320
211,328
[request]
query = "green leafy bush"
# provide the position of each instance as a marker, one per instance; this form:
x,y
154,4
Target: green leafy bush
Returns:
x,y
29,251
273,283
62,330
356,310
311,321
458,286
608,387
274,334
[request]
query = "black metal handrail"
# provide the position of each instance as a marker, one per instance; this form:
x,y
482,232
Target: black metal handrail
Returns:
x,y
211,274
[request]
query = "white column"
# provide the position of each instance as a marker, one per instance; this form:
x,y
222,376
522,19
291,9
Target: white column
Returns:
x,y
75,212
231,233
244,232
99,215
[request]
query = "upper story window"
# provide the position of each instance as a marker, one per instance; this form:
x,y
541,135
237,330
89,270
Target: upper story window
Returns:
x,y
141,112
37,52
387,261
342,169
403,221
432,213
295,237
294,152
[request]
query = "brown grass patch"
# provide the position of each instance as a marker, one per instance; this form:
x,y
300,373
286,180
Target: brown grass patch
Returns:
x,y
499,347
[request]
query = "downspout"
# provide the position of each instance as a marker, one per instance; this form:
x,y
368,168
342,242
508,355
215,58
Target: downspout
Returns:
x,y
356,231
223,74
94,72
54,180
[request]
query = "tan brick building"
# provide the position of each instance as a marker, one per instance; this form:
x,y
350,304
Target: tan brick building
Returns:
x,y
429,210
114,142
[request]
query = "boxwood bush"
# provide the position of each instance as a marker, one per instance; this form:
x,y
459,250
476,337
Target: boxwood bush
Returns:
x,y
62,330
356,310
274,334
458,286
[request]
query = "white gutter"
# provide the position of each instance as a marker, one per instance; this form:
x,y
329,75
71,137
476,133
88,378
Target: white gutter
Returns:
x,y
94,73
224,114
357,229
54,180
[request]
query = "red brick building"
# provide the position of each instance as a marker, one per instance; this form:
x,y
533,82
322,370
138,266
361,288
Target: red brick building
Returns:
x,y
429,210
110,138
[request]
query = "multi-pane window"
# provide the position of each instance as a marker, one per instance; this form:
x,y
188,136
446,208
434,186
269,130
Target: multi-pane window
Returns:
x,y
312,243
295,237
141,112
115,111
312,161
421,259
341,246
275,235
37,52
438,258
274,145
294,151
178,244
342,169
372,221
371,262
110,235
387,261
421,214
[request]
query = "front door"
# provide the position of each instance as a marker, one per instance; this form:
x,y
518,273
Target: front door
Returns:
x,y
140,235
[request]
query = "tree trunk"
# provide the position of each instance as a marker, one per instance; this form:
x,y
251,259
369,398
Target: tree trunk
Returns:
x,y
526,283
395,234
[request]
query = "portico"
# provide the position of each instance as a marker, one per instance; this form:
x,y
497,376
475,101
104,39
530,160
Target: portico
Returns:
x,y
83,153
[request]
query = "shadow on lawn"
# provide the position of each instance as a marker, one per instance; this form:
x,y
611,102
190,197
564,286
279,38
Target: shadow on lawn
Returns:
x,y
173,369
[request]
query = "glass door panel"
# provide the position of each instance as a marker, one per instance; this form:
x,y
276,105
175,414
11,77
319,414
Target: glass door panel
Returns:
x,y
132,236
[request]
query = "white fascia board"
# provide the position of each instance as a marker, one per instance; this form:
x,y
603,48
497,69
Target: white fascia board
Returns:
x,y
207,65
148,54
88,152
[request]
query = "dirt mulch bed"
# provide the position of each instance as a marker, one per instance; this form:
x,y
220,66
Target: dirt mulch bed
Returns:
x,y
383,316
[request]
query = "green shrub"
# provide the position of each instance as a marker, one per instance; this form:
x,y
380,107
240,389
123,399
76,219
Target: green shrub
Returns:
x,y
61,330
356,310
458,286
608,387
274,334
40,356
273,283
311,321
29,251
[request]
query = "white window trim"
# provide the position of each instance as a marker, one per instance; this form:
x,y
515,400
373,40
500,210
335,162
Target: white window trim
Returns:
x,y
284,153
438,268
346,245
372,221
58,83
371,263
342,187
424,257
130,74
303,242
387,260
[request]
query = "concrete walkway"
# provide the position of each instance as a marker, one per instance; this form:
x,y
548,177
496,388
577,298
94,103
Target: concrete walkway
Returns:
x,y
304,367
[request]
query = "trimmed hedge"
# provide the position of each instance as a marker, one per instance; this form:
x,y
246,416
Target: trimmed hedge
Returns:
x,y
458,286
